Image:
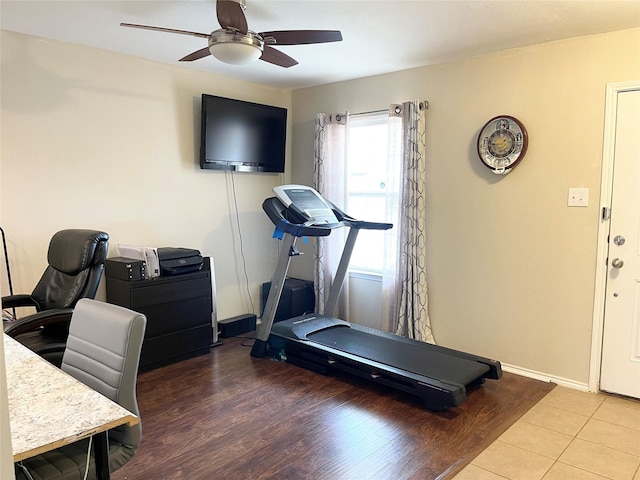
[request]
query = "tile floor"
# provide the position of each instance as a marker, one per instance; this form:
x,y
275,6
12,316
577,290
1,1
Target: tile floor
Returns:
x,y
568,435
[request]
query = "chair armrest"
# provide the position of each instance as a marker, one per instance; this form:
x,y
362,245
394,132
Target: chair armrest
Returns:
x,y
59,317
19,300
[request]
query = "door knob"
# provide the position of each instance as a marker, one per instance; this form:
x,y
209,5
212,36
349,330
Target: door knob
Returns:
x,y
617,263
619,240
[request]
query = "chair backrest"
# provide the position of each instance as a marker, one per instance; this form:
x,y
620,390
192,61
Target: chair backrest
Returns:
x,y
103,352
76,261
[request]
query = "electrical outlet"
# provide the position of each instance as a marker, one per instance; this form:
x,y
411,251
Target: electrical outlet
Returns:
x,y
578,197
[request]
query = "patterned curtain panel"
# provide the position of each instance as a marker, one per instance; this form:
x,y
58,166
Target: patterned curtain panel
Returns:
x,y
405,291
404,285
329,180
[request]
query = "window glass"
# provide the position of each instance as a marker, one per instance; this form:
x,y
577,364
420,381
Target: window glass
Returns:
x,y
369,166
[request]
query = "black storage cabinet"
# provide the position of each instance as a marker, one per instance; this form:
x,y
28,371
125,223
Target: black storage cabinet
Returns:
x,y
179,314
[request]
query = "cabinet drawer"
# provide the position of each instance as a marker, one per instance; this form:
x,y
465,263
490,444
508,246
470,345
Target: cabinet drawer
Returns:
x,y
150,292
176,345
180,315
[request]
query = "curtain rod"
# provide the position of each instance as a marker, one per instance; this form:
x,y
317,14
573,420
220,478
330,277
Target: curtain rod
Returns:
x,y
369,112
422,105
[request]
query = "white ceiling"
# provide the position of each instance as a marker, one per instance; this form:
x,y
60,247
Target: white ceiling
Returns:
x,y
379,36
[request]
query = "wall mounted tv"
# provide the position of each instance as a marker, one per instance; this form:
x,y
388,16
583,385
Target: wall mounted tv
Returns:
x,y
242,136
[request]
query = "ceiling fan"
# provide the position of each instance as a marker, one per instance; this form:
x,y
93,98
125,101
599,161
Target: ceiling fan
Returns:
x,y
234,43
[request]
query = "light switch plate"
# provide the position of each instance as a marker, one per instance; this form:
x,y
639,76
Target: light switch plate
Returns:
x,y
578,197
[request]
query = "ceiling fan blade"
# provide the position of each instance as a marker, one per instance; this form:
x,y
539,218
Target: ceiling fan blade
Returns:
x,y
230,15
169,30
198,54
271,55
302,37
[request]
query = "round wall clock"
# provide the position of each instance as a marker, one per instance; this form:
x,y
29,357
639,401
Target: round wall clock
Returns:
x,y
502,144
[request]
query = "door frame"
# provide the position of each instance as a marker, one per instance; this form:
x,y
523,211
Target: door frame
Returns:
x,y
606,193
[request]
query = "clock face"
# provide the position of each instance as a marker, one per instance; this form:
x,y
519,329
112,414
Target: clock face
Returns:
x,y
502,143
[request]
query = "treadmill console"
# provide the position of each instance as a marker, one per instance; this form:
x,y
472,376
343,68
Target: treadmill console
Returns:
x,y
306,201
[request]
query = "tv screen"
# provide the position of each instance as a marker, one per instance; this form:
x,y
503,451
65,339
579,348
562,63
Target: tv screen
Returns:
x,y
242,136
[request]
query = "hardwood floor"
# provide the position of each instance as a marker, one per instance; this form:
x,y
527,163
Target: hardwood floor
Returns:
x,y
230,416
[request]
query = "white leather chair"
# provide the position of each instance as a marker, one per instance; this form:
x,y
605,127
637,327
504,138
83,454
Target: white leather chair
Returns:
x,y
103,351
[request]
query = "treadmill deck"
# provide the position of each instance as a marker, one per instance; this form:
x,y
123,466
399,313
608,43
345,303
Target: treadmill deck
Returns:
x,y
412,358
438,375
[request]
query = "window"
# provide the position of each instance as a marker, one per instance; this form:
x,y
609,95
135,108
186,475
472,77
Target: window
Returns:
x,y
372,175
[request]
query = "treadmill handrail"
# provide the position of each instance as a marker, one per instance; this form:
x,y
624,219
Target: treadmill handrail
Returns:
x,y
302,230
364,225
348,221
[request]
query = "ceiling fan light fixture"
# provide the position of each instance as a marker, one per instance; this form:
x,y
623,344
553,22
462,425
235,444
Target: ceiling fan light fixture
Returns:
x,y
234,47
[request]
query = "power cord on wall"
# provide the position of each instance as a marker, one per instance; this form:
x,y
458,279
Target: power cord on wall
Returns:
x,y
246,341
244,261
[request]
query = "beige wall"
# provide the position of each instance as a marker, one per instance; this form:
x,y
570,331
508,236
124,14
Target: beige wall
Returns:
x,y
510,267
93,139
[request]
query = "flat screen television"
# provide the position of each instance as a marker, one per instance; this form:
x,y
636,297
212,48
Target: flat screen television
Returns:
x,y
242,136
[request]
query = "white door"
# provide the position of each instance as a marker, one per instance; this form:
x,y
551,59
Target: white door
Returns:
x,y
620,368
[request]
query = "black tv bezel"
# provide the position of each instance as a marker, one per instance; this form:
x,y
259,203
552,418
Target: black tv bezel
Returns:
x,y
247,166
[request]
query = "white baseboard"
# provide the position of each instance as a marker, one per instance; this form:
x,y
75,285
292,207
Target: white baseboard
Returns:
x,y
544,377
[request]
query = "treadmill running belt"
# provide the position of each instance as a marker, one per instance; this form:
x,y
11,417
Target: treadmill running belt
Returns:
x,y
411,358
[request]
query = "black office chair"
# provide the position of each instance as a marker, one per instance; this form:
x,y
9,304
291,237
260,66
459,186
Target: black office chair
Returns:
x,y
76,262
103,352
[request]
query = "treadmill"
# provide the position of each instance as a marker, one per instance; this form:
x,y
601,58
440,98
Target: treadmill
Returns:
x,y
439,376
